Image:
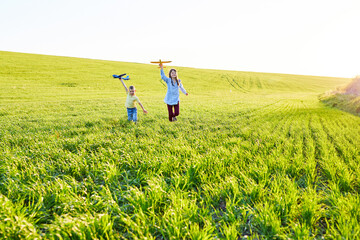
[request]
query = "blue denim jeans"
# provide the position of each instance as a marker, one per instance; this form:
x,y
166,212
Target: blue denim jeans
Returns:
x,y
132,114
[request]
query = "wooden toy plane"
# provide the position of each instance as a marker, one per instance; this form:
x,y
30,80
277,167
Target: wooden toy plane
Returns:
x,y
160,62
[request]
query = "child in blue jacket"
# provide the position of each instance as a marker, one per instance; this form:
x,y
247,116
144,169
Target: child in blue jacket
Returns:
x,y
172,98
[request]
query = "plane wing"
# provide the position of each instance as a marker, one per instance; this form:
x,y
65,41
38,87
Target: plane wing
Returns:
x,y
162,62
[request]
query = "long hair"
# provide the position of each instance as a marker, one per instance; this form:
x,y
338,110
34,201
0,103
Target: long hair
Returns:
x,y
177,81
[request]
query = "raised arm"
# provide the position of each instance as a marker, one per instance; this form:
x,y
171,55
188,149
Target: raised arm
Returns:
x,y
163,76
126,89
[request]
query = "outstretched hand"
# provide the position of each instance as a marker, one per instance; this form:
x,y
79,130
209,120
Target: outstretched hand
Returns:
x,y
187,94
161,65
145,111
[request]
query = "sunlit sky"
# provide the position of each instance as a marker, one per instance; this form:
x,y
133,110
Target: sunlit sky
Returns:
x,y
310,37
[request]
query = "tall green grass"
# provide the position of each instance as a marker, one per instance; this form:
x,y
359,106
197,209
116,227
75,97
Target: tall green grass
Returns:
x,y
252,156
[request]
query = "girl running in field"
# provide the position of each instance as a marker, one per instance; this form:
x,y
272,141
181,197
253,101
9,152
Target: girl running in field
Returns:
x,y
172,98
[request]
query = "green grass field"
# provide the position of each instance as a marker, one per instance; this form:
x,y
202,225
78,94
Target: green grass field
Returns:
x,y
252,155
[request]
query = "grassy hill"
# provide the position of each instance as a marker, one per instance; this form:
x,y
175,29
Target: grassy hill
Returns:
x,y
252,155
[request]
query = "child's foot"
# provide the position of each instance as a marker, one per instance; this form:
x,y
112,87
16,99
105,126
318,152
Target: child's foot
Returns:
x,y
174,119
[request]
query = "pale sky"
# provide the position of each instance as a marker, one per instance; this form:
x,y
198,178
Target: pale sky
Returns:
x,y
310,37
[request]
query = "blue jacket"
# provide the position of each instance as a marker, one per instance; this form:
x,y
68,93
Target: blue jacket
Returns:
x,y
172,95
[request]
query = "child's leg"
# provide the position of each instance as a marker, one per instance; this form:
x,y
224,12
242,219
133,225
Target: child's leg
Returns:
x,y
177,109
129,113
171,114
135,115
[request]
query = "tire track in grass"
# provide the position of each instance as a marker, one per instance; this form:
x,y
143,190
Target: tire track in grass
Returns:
x,y
279,153
270,142
239,85
316,136
308,141
251,112
244,82
259,83
319,140
257,124
295,136
272,115
289,133
227,79
333,168
256,146
350,132
349,121
344,129
251,83
275,118
261,126
276,141
235,84
309,164
340,167
335,142
284,109
249,116
347,167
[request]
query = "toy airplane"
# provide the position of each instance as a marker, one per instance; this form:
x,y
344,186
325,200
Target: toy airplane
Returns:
x,y
160,62
121,76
